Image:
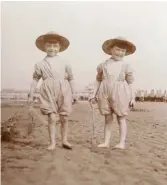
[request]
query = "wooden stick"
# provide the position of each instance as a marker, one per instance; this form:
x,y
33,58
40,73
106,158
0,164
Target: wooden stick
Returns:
x,y
93,142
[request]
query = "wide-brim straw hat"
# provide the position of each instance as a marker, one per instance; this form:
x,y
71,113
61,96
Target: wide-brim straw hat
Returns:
x,y
118,41
52,37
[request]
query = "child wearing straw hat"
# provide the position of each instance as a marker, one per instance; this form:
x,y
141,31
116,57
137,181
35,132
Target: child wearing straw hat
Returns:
x,y
57,89
114,87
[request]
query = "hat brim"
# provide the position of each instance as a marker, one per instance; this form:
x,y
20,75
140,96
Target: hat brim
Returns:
x,y
64,42
108,44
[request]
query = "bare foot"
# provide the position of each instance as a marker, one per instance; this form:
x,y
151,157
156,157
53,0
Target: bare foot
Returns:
x,y
67,145
120,146
103,145
51,147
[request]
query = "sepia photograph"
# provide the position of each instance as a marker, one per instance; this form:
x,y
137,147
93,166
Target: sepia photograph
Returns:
x,y
83,92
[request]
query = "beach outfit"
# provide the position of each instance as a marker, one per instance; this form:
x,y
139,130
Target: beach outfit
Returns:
x,y
114,94
55,92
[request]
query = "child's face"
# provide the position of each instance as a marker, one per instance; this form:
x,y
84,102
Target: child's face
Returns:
x,y
118,53
52,49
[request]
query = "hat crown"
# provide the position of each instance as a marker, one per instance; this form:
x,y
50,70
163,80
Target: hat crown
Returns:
x,y
121,38
52,33
130,47
52,36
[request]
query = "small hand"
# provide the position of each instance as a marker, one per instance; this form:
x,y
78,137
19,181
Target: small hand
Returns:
x,y
30,100
74,97
132,103
93,100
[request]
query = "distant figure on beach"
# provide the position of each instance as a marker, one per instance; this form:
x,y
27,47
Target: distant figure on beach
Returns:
x,y
156,96
160,96
142,96
57,89
165,96
114,87
152,95
139,96
145,96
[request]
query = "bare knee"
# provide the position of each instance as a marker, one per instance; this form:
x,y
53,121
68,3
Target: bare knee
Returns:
x,y
63,119
121,118
52,118
109,118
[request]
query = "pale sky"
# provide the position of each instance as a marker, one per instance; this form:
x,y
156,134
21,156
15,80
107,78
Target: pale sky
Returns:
x,y
87,25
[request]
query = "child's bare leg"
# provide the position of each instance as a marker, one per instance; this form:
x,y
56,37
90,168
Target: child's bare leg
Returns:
x,y
52,131
64,131
122,132
107,131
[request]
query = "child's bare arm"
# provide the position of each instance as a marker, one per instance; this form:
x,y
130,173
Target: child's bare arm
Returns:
x,y
72,85
33,87
97,86
70,79
130,80
36,77
132,91
98,81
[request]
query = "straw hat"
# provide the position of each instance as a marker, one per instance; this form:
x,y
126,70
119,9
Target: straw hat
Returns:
x,y
52,37
119,41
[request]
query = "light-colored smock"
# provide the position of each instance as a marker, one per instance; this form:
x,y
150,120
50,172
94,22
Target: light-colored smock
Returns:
x,y
55,92
114,93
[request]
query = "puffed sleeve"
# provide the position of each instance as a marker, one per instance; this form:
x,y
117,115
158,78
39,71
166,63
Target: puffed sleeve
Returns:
x,y
37,72
99,73
69,72
129,74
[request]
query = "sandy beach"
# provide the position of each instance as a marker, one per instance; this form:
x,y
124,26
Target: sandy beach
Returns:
x,y
143,162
